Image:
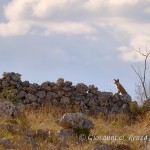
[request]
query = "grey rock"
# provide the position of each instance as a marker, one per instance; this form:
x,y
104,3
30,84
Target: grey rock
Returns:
x,y
40,133
65,133
16,77
46,86
8,110
93,89
115,108
21,94
41,94
68,84
65,100
81,87
31,97
102,147
105,96
52,95
11,127
25,83
6,143
5,83
75,120
60,81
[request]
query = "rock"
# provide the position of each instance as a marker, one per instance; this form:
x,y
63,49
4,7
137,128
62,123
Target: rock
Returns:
x,y
75,120
68,84
15,76
62,133
82,88
11,127
93,89
105,96
125,108
7,110
6,143
102,147
65,100
51,95
60,81
126,98
115,108
86,99
111,147
40,133
25,83
46,86
21,94
5,83
41,94
123,147
31,97
31,89
28,140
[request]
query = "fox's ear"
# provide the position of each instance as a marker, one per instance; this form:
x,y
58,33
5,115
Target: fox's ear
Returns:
x,y
117,80
114,79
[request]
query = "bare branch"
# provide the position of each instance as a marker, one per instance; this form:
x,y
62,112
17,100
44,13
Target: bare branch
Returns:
x,y
139,74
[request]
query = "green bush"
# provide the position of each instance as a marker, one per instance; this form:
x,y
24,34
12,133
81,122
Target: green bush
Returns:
x,y
8,94
135,109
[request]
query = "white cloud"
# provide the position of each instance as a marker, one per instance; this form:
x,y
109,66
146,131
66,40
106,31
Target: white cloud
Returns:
x,y
128,54
25,15
14,28
123,2
81,17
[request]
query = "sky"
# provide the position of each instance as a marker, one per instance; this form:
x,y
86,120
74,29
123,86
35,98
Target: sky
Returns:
x,y
83,41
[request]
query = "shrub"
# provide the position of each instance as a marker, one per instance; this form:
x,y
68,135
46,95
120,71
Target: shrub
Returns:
x,y
8,94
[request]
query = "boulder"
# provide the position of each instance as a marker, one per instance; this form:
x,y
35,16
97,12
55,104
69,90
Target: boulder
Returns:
x,y
60,81
31,97
81,87
8,110
21,94
5,83
6,143
41,94
15,76
75,120
65,100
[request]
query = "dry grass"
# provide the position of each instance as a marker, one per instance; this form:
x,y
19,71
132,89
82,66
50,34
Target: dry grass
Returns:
x,y
44,118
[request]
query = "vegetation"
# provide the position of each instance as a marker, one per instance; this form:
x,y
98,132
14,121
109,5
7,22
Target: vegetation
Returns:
x,y
116,130
8,94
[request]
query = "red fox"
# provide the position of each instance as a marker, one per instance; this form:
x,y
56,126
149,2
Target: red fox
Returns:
x,y
120,87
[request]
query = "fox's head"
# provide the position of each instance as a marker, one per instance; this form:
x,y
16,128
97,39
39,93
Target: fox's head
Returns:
x,y
116,81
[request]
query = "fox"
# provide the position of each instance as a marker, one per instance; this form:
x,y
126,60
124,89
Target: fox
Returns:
x,y
120,87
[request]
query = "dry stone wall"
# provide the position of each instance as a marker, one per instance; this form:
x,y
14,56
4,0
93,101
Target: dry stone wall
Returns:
x,y
88,99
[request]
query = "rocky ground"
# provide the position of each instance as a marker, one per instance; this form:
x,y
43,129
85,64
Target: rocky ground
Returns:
x,y
65,116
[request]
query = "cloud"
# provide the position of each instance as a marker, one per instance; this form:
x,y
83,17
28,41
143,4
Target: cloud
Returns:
x,y
27,16
128,54
127,21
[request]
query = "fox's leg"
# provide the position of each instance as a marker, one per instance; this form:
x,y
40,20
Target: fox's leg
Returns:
x,y
118,91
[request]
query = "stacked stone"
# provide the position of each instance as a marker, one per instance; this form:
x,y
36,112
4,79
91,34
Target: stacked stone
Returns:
x,y
88,99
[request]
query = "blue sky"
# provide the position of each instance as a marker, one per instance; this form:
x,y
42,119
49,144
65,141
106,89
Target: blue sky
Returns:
x,y
84,41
